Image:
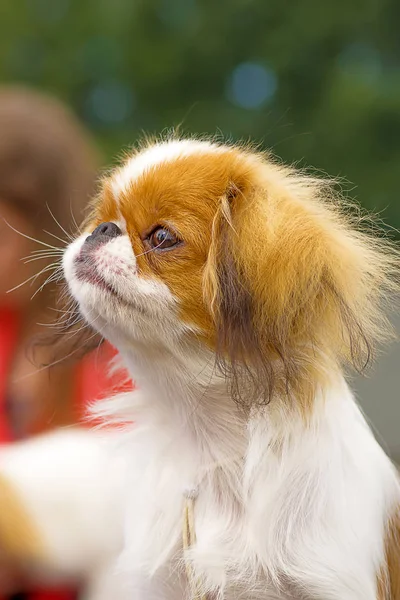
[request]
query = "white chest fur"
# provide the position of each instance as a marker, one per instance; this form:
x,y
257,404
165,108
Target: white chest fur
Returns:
x,y
282,505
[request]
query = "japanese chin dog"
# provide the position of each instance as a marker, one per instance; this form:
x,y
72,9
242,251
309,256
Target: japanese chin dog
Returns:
x,y
61,501
238,291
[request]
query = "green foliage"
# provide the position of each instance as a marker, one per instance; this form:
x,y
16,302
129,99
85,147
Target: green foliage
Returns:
x,y
326,75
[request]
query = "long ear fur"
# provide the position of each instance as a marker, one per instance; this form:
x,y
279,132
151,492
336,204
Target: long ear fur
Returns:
x,y
242,354
297,286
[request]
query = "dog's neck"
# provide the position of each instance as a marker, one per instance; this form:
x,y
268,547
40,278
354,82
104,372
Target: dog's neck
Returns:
x,y
184,398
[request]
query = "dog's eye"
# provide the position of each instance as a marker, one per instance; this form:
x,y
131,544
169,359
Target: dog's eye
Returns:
x,y
163,239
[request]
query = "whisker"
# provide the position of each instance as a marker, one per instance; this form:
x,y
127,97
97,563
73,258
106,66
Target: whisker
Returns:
x,y
64,294
69,236
69,318
28,237
42,257
73,216
45,252
55,249
148,251
53,264
59,310
83,326
52,277
64,324
31,278
55,236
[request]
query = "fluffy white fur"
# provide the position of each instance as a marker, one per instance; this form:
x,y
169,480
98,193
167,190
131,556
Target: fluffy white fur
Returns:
x,y
153,156
285,508
71,485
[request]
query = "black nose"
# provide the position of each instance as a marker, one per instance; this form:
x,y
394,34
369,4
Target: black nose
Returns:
x,y
109,229
103,233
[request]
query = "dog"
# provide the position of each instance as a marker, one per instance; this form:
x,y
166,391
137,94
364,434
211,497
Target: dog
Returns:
x,y
238,291
61,501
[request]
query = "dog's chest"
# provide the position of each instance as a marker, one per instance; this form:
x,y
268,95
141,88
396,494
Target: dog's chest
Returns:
x,y
221,553
215,560
176,587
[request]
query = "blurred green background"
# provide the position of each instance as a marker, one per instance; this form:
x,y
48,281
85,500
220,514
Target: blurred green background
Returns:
x,y
316,81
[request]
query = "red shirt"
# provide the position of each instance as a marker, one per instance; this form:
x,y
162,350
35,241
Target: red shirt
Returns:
x,y
92,379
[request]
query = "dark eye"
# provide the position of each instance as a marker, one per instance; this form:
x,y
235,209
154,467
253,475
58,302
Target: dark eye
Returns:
x,y
162,238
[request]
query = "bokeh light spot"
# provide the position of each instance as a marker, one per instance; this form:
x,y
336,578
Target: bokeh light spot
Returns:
x,y
361,61
251,85
110,103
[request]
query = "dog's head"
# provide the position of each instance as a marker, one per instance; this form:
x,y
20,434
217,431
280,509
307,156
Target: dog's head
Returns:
x,y
192,240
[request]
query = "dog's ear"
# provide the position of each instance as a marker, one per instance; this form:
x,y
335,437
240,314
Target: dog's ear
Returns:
x,y
242,355
293,286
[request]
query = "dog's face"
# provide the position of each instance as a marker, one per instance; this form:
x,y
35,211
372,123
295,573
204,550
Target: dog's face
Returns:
x,y
141,270
193,240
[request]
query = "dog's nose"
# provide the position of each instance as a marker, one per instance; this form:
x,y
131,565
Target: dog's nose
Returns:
x,y
106,229
103,233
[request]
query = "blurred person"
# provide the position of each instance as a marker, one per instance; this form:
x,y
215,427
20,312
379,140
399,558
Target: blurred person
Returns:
x,y
47,174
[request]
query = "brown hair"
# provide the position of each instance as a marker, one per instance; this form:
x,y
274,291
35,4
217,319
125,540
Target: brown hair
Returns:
x,y
48,173
46,158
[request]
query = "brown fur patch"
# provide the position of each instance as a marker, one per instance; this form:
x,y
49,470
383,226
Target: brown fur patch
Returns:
x,y
102,209
389,578
183,194
19,536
